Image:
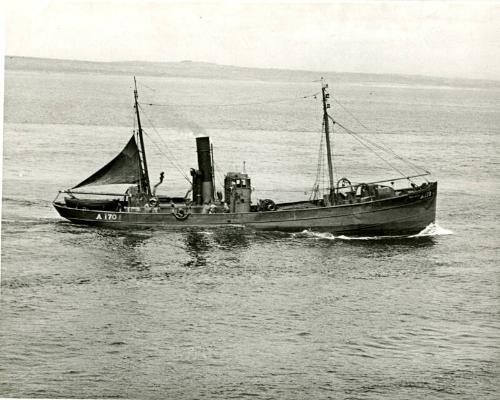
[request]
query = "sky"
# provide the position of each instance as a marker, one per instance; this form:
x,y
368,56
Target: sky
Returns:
x,y
447,39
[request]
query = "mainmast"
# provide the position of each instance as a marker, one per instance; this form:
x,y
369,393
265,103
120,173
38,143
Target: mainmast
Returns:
x,y
145,186
326,95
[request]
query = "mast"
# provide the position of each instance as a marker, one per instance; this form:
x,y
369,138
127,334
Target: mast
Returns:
x,y
213,169
326,121
145,183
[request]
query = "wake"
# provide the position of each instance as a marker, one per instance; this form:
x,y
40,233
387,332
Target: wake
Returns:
x,y
430,230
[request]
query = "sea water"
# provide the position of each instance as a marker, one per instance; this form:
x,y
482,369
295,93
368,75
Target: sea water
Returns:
x,y
233,313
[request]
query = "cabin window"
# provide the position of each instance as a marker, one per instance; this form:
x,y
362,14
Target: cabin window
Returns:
x,y
243,183
242,200
238,183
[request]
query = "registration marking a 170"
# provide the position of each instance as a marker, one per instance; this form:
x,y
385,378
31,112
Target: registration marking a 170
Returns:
x,y
107,217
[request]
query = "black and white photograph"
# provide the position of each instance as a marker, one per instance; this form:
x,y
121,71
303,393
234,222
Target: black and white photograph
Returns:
x,y
250,200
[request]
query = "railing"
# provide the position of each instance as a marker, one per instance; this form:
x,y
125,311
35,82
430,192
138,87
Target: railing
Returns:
x,y
97,194
386,180
71,192
398,179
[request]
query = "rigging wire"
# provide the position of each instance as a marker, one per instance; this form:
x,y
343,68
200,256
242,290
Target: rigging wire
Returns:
x,y
166,156
360,140
318,180
146,86
217,171
320,173
413,166
232,104
134,122
313,95
333,164
218,174
385,148
172,158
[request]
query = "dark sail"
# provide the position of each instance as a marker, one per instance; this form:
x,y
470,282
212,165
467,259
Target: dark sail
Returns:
x,y
124,168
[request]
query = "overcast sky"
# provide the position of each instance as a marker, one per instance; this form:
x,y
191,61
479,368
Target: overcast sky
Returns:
x,y
450,39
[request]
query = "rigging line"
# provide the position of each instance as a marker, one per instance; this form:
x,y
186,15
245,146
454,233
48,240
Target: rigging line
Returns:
x,y
218,170
387,148
162,152
360,140
350,113
320,151
317,181
390,151
218,174
320,156
323,175
231,104
173,159
368,147
334,165
323,165
176,166
416,168
146,86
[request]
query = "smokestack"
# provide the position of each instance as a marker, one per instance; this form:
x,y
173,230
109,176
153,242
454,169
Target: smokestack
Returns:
x,y
205,167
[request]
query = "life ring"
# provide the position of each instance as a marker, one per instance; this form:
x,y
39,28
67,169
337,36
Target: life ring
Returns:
x,y
267,205
153,202
180,214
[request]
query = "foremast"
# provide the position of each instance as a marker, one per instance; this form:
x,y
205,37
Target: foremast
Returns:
x,y
326,123
144,184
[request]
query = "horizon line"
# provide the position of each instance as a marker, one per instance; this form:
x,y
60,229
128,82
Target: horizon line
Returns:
x,y
255,68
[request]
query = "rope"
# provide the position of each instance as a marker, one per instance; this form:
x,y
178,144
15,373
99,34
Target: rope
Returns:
x,y
147,87
317,180
231,104
335,175
353,134
173,161
385,148
218,175
160,150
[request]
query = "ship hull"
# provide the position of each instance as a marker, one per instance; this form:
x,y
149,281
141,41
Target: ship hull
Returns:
x,y
409,213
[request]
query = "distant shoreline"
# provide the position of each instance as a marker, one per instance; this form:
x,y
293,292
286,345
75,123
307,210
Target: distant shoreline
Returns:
x,y
205,70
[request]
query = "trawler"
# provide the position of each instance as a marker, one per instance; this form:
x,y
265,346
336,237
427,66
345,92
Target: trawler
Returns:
x,y
345,207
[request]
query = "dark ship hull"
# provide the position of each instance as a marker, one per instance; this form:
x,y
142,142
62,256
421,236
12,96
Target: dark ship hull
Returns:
x,y
404,214
347,208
